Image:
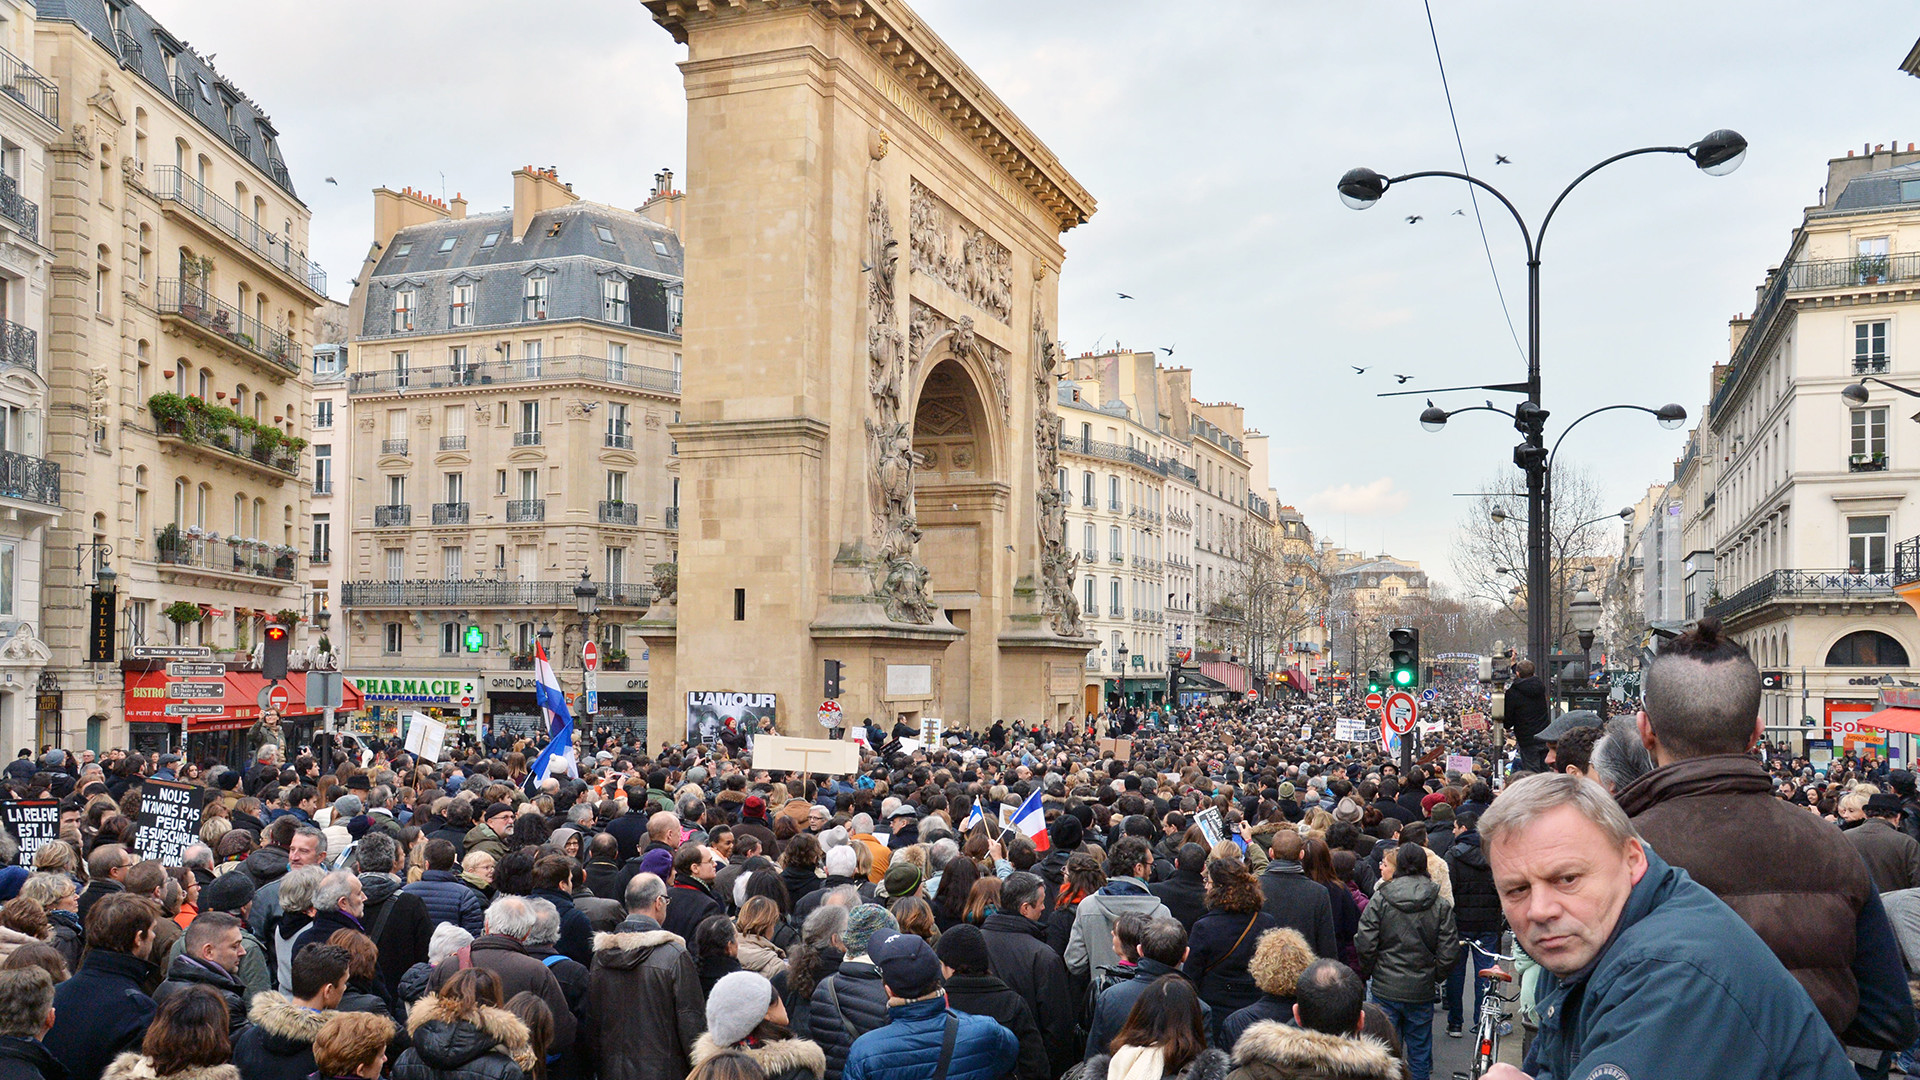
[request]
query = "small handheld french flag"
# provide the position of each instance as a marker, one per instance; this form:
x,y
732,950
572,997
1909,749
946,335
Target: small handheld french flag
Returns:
x,y
1031,821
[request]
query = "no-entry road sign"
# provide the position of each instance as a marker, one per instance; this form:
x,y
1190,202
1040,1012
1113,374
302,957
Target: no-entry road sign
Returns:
x,y
1402,712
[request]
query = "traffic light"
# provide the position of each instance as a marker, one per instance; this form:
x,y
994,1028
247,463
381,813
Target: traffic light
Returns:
x,y
833,679
1373,681
1403,657
474,639
273,658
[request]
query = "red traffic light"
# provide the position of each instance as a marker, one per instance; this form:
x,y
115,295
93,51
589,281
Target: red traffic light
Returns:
x,y
276,633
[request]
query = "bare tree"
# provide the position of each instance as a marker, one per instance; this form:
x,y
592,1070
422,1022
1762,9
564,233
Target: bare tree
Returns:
x,y
1490,554
1282,589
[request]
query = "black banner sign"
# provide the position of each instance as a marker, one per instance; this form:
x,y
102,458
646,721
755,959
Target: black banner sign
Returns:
x,y
169,821
32,822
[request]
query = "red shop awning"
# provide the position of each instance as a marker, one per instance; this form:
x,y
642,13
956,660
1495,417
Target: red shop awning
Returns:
x,y
147,700
1896,719
1231,676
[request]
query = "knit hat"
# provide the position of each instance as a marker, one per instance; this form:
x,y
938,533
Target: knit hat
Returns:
x,y
903,879
907,964
1066,833
11,878
754,806
736,1005
1286,789
1348,810
863,923
964,949
228,780
228,892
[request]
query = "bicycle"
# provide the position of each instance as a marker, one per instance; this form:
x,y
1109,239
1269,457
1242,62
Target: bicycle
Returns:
x,y
1494,1013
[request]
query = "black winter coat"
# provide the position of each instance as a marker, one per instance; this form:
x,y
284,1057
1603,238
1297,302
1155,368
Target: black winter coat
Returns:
x,y
1021,958
1298,901
1268,1007
987,995
279,1044
1185,894
404,932
643,994
689,903
576,931
185,971
845,1007
489,1045
1476,903
1218,952
26,1059
99,1012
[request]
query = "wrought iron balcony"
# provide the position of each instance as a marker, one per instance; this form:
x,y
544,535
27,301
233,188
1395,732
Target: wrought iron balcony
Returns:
x,y
620,441
450,513
453,442
526,438
394,446
497,372
1906,561
23,476
1089,502
183,92
19,346
23,211
526,510
1867,462
1091,556
233,442
433,593
191,302
1828,585
129,47
172,547
175,188
238,136
1116,558
392,516
616,512
30,88
673,517
1871,365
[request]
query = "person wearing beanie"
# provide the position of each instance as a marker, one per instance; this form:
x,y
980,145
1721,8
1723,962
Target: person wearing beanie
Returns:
x,y
972,987
852,1001
912,1044
1064,835
902,880
745,1014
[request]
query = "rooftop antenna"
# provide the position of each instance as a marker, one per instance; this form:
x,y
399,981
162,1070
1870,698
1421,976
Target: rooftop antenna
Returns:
x,y
443,185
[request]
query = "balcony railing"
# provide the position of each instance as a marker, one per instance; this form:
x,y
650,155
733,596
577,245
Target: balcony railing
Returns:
x,y
1871,365
320,557
619,442
394,446
453,442
1116,558
30,88
23,211
1853,270
175,548
613,512
1781,585
1906,561
1074,444
450,513
673,517
232,441
172,185
19,346
392,516
1867,463
481,593
1089,502
526,438
23,476
192,303
526,510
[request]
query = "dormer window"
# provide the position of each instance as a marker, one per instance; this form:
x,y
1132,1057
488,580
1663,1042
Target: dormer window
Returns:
x,y
462,313
447,244
403,311
490,239
605,234
536,298
403,251
613,300
660,248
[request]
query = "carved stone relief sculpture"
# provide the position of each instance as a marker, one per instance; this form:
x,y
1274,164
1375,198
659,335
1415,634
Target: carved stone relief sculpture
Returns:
x,y
899,580
1057,561
952,250
926,327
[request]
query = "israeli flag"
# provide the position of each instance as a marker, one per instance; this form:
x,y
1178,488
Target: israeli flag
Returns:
x,y
559,755
974,817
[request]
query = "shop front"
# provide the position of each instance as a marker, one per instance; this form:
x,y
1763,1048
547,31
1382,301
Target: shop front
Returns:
x,y
218,730
623,708
451,697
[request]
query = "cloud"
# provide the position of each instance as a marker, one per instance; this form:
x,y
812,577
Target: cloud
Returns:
x,y
1378,497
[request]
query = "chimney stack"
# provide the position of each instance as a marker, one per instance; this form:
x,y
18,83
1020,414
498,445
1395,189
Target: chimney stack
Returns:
x,y
665,206
459,207
536,190
403,209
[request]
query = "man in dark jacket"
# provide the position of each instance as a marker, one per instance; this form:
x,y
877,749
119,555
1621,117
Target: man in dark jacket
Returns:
x,y
338,904
28,994
553,882
446,897
1185,893
397,921
691,901
102,1009
643,992
853,1000
279,1044
841,863
1064,836
1018,954
753,821
1332,1032
973,988
629,830
1476,914
210,955
913,1042
502,950
1707,799
1891,855
1641,962
1297,900
603,867
573,978
1527,715
107,868
1163,945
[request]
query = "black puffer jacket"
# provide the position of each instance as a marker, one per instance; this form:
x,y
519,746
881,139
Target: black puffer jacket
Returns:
x,y
845,1007
1476,903
490,1044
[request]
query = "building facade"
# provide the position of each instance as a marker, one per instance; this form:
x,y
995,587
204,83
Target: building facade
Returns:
x,y
177,401
332,435
514,375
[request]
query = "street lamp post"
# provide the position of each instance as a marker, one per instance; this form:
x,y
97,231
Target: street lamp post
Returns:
x,y
586,600
1719,153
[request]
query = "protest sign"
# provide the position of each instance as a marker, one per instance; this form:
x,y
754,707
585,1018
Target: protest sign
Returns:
x,y
1121,749
31,822
426,737
169,820
1211,825
1459,763
1346,730
1474,721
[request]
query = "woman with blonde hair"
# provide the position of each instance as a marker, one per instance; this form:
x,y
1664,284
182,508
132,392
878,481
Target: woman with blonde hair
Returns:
x,y
56,895
56,856
1280,957
758,919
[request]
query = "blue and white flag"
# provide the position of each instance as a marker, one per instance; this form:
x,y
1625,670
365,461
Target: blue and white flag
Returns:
x,y
974,817
559,755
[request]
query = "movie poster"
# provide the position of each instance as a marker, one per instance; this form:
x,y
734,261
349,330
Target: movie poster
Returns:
x,y
712,712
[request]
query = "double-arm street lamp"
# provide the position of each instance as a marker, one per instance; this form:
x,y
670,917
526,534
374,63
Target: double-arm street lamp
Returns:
x,y
1719,153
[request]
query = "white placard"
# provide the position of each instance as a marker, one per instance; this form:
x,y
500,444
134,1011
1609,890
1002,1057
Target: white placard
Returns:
x,y
1345,730
813,756
932,730
426,737
909,680
1211,825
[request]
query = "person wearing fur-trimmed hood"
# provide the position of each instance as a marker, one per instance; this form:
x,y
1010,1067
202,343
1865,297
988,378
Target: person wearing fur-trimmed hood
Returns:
x,y
644,993
745,1014
461,1032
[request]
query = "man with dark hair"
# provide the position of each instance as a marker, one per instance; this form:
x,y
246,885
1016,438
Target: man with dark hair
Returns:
x,y
26,1012
1296,900
397,921
210,956
603,866
102,1010
446,897
973,988
1707,799
1018,953
1574,751
1090,943
553,882
1891,856
107,868
1185,891
279,1044
1335,1033
1527,715
1163,947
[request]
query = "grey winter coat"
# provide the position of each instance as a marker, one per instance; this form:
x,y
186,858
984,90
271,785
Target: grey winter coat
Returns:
x,y
1407,939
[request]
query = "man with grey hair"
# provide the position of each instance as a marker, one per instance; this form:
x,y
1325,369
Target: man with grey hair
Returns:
x,y
306,847
345,809
396,920
643,992
502,950
1709,797
26,1014
339,901
1619,757
295,892
197,858
1640,960
571,973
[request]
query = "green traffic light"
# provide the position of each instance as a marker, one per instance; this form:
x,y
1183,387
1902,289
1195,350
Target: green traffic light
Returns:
x,y
1403,677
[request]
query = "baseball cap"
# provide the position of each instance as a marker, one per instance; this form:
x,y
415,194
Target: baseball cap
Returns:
x,y
1567,722
907,963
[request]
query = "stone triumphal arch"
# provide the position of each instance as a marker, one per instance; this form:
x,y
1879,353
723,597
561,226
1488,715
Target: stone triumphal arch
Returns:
x,y
868,448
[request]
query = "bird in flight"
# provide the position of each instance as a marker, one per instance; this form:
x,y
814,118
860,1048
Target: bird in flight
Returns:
x,y
1357,370
1459,213
332,181
1123,296
1168,349
1414,219
1502,159
1403,379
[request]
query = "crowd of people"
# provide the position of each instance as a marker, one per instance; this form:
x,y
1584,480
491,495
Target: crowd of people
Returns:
x,y
1224,894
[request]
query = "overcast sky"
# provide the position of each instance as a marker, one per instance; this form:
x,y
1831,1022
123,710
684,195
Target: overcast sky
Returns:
x,y
1212,135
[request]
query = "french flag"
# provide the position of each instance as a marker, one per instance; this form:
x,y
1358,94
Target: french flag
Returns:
x,y
559,754
1031,821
